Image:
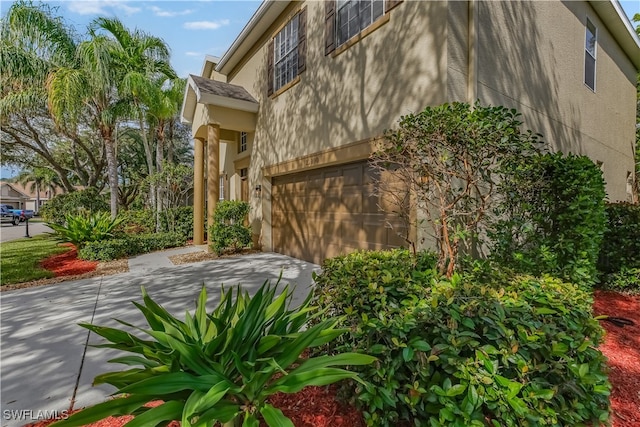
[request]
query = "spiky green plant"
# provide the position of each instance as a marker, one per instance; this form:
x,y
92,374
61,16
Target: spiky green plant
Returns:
x,y
83,228
218,367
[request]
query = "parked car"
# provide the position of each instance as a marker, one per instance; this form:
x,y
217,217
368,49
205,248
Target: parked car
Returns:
x,y
21,213
8,217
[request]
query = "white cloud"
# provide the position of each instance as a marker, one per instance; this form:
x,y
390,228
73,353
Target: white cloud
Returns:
x,y
100,7
193,54
168,13
205,25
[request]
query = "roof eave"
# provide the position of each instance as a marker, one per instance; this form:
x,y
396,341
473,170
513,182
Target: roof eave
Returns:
x,y
261,20
615,19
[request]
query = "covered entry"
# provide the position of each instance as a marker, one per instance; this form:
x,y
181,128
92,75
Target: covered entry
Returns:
x,y
325,212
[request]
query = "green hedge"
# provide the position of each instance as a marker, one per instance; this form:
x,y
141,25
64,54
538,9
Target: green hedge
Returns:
x,y
552,218
107,250
228,233
621,244
460,352
88,200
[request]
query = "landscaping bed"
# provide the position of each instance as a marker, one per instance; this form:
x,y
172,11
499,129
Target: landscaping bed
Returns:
x,y
318,406
622,349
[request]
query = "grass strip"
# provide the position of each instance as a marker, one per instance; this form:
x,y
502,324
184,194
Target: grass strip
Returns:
x,y
20,259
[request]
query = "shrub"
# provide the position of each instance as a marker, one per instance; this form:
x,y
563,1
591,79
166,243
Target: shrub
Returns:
x,y
83,201
129,246
220,366
178,220
137,221
627,281
228,231
84,228
508,352
621,244
552,218
447,157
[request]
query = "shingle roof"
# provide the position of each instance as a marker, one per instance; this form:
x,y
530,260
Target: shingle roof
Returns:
x,y
226,90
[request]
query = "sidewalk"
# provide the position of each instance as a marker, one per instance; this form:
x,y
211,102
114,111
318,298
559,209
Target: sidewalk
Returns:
x,y
43,365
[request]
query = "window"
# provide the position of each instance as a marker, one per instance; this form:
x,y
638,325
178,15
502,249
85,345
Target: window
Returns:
x,y
345,19
242,147
286,55
221,187
356,15
591,37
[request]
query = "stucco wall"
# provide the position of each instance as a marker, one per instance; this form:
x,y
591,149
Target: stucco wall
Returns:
x,y
357,94
535,63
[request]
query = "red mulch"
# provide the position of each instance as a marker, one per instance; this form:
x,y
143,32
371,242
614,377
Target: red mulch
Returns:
x,y
622,348
318,407
68,264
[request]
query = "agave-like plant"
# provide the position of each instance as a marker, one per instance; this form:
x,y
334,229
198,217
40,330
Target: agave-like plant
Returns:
x,y
83,228
218,367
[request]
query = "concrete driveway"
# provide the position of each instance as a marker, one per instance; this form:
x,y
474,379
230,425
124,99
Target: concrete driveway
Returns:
x,y
46,365
10,232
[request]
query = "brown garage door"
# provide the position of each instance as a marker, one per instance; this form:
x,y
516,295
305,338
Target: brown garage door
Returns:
x,y
326,212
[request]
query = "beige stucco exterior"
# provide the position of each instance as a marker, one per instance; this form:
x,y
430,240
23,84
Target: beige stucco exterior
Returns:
x,y
524,55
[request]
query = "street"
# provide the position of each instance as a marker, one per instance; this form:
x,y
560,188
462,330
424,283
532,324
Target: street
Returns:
x,y
13,232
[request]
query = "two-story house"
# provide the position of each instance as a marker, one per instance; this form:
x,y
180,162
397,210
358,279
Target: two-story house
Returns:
x,y
286,119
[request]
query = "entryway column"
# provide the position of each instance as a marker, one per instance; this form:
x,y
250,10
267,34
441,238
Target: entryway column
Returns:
x,y
198,191
213,170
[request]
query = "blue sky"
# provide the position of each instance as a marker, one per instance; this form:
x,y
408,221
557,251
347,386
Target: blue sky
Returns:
x,y
192,29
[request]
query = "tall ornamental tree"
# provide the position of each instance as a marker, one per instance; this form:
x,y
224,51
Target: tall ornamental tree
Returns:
x,y
449,160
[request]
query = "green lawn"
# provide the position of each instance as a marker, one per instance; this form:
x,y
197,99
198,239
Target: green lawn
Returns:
x,y
19,259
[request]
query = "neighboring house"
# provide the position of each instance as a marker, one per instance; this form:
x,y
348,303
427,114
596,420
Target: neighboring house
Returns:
x,y
288,116
36,198
10,194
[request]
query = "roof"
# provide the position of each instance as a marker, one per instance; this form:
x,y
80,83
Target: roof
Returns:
x,y
614,17
18,193
261,20
211,92
609,11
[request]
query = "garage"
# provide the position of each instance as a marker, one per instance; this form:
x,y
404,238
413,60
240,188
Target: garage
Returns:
x,y
325,212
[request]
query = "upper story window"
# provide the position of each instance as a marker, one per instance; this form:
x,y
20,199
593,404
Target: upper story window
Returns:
x,y
286,56
356,15
345,19
591,38
242,147
221,190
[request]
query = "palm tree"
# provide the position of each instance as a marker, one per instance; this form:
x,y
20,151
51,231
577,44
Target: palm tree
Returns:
x,y
162,112
38,178
142,61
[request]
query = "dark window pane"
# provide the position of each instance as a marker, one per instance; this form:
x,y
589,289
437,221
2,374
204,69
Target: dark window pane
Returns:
x,y
590,71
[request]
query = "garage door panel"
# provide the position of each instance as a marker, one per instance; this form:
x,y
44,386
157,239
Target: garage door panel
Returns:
x,y
327,212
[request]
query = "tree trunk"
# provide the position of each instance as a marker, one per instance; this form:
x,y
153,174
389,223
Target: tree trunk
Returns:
x,y
149,157
112,171
159,158
37,208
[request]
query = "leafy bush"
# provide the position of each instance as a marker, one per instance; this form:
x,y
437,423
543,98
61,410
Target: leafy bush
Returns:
x,y
137,221
228,231
178,220
84,228
83,201
129,246
218,367
448,158
552,218
621,243
462,352
627,281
